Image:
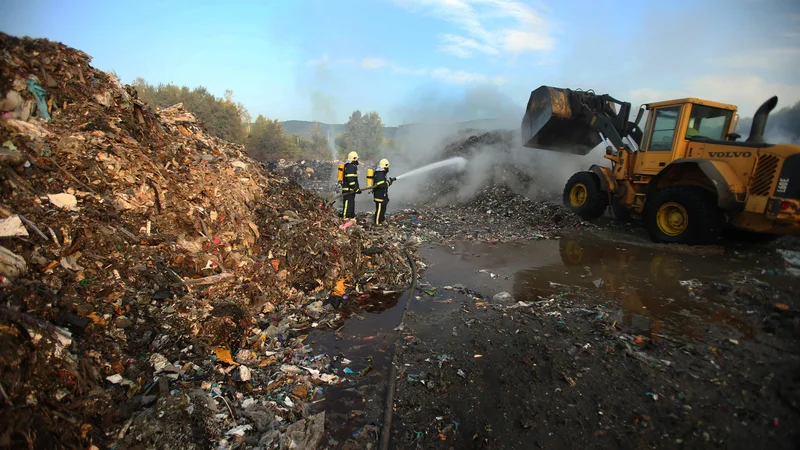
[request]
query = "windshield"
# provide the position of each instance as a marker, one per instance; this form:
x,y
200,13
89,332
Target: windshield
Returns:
x,y
712,123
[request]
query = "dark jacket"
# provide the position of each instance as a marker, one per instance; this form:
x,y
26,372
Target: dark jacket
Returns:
x,y
350,182
382,183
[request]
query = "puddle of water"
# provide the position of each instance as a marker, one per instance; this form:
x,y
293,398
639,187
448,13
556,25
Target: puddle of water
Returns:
x,y
645,284
653,288
366,339
362,344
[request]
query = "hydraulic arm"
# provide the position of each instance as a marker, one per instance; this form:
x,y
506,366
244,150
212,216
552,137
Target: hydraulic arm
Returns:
x,y
575,121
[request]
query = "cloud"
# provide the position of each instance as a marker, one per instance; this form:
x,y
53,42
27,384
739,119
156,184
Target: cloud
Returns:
x,y
373,63
747,92
444,74
326,61
490,27
463,47
462,77
764,59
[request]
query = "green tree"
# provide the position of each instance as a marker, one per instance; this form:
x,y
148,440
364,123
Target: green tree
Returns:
x,y
221,117
318,143
266,141
372,129
362,134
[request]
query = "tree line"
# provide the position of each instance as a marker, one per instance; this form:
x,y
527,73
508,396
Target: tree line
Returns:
x,y
265,139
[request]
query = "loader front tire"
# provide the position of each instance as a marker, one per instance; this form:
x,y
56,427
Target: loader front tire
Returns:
x,y
582,195
682,215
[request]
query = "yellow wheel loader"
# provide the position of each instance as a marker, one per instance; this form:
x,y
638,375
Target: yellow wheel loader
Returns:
x,y
684,175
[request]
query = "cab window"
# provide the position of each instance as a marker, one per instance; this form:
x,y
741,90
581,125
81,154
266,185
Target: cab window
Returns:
x,y
712,123
663,133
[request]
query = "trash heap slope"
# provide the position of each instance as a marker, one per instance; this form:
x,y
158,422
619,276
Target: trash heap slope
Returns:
x,y
125,232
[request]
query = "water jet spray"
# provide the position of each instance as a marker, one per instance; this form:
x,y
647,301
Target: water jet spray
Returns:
x,y
457,161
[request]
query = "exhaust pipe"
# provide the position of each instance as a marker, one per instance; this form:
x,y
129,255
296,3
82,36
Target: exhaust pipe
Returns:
x,y
760,121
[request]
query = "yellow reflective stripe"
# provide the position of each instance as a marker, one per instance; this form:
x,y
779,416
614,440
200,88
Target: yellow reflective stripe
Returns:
x,y
378,214
378,200
344,211
379,183
351,175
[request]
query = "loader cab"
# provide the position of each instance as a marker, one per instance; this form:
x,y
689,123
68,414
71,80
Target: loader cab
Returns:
x,y
670,126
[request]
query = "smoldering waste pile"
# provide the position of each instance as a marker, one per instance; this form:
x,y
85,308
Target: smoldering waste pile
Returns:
x,y
153,277
505,204
316,176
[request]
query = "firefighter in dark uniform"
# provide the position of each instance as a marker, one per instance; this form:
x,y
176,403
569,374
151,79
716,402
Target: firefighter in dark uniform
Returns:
x,y
380,193
350,186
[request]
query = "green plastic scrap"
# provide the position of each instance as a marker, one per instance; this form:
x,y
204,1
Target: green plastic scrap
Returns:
x,y
41,98
629,346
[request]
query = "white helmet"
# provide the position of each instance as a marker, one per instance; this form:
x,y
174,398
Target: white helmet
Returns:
x,y
383,164
352,156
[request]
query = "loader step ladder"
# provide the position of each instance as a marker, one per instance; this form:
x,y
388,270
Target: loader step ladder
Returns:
x,y
638,200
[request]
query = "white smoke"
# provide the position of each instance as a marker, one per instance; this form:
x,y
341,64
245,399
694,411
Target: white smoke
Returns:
x,y
437,124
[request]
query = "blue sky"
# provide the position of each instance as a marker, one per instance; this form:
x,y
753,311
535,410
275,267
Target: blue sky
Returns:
x,y
412,60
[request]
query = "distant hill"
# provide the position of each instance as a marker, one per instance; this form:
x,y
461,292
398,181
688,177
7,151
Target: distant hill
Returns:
x,y
783,126
302,127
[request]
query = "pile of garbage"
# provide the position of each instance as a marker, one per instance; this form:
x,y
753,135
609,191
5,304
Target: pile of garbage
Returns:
x,y
469,141
495,198
156,282
494,214
316,176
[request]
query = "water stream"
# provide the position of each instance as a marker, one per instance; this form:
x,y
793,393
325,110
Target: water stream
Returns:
x,y
455,161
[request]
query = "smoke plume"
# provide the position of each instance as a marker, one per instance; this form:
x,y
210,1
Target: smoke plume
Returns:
x,y
442,127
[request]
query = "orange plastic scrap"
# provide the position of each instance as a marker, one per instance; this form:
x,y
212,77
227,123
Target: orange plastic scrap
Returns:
x,y
275,264
97,319
338,291
50,265
224,355
781,306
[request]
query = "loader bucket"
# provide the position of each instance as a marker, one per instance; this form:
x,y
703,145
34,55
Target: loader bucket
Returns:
x,y
550,123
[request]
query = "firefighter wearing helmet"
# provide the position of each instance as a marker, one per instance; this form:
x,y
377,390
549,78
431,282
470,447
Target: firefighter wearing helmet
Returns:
x,y
380,193
350,186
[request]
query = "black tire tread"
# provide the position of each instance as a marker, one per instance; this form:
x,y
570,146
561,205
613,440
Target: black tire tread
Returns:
x,y
705,219
596,201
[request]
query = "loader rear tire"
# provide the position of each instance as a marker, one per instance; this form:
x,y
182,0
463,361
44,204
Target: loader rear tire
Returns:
x,y
682,215
582,195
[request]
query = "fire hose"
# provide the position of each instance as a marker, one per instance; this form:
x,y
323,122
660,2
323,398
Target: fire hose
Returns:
x,y
348,193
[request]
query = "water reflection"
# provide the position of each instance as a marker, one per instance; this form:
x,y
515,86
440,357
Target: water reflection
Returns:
x,y
647,285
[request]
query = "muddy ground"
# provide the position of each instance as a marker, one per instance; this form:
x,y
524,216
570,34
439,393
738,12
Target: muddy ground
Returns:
x,y
542,334
530,328
604,341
